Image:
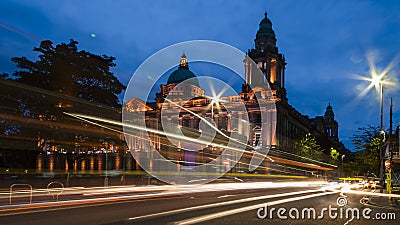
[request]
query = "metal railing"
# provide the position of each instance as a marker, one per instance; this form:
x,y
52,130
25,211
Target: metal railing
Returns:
x,y
55,192
20,191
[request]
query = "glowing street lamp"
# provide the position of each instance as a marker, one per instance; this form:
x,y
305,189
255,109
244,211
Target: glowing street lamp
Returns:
x,y
215,100
212,108
377,80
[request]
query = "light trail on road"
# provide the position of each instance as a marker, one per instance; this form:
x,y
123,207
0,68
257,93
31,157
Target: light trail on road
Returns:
x,y
88,118
221,204
160,191
212,216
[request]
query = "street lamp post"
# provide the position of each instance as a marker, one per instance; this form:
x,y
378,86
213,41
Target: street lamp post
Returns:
x,y
381,106
343,165
381,156
377,80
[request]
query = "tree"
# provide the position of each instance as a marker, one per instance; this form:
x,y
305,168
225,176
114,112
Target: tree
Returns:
x,y
66,70
368,142
63,79
4,76
8,106
308,147
364,136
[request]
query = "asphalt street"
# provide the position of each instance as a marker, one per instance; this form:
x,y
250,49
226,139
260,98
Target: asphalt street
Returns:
x,y
209,207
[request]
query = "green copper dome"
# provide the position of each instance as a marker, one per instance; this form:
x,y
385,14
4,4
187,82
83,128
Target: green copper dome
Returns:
x,y
265,28
183,73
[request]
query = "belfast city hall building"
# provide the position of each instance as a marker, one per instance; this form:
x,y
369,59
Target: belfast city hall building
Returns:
x,y
183,95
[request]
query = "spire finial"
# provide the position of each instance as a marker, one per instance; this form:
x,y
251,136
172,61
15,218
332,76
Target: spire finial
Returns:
x,y
329,107
183,63
265,14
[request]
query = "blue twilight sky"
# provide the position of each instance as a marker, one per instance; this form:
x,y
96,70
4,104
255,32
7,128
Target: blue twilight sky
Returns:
x,y
324,42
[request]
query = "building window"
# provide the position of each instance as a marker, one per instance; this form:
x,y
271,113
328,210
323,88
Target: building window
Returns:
x,y
257,139
256,118
196,123
186,122
223,122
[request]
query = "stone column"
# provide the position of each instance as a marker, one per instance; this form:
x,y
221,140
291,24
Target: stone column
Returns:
x,y
240,123
228,125
267,136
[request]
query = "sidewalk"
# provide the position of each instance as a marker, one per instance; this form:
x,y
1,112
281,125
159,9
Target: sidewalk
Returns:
x,y
385,201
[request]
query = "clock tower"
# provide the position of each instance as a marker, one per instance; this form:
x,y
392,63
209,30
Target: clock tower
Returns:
x,y
269,60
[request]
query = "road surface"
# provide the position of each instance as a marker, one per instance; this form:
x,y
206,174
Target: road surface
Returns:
x,y
205,205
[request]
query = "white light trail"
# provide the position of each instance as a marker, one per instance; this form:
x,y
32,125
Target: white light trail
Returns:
x,y
208,123
221,204
167,190
245,209
182,137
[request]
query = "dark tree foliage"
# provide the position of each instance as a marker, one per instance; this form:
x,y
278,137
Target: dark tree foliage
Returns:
x,y
4,76
368,142
364,136
9,105
308,147
63,79
64,69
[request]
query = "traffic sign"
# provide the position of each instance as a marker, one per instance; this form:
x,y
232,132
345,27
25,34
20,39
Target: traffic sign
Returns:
x,y
387,164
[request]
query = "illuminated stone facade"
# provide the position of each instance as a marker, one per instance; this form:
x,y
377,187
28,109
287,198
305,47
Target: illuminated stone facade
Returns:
x,y
183,84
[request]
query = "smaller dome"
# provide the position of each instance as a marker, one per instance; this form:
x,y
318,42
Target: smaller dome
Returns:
x,y
182,74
